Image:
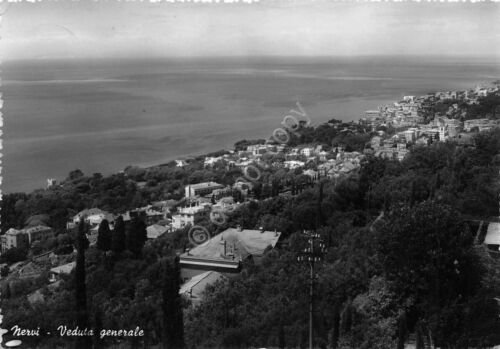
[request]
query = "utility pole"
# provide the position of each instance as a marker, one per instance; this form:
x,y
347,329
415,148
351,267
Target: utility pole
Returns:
x,y
311,254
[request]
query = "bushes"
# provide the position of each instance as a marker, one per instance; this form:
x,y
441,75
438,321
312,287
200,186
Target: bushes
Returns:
x,y
13,255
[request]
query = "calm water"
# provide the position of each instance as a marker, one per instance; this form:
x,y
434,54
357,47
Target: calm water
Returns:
x,y
101,116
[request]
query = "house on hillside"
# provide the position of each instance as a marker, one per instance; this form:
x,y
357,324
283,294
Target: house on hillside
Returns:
x,y
93,216
314,175
193,288
30,270
492,239
201,189
56,272
155,231
307,151
46,257
190,215
14,238
180,163
226,251
38,233
293,164
149,214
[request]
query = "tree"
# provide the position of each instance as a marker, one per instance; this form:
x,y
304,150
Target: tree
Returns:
x,y
98,341
75,174
136,236
118,236
429,262
172,306
80,283
104,236
6,293
13,255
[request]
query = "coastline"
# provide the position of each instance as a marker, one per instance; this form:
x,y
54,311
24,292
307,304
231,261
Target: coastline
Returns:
x,y
157,122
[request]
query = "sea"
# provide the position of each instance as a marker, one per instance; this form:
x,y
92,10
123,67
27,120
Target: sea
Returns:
x,y
101,115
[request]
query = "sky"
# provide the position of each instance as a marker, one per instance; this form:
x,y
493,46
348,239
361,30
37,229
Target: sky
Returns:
x,y
112,29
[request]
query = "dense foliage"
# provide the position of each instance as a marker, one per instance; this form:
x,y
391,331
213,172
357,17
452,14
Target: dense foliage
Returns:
x,y
410,272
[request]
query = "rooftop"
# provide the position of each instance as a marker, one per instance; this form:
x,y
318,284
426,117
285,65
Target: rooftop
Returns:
x,y
37,228
90,212
13,231
193,209
205,185
197,284
63,269
155,230
241,244
493,234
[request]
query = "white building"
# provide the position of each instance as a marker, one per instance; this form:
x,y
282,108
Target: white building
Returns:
x,y
257,149
180,163
211,161
443,133
293,164
201,189
311,173
14,238
481,124
410,135
93,216
322,155
307,151
189,215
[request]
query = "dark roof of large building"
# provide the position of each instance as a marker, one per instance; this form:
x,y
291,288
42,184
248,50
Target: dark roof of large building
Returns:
x,y
235,243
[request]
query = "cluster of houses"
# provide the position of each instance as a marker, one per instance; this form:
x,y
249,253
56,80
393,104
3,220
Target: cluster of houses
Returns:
x,y
155,217
333,163
407,116
440,129
344,164
410,111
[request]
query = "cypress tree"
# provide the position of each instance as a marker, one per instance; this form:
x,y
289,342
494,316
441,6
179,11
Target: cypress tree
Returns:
x,y
7,293
173,326
402,331
118,236
335,331
136,236
438,181
281,337
320,216
82,244
104,236
413,194
98,326
346,319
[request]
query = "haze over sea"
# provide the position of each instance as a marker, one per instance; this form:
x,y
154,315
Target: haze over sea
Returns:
x,y
102,115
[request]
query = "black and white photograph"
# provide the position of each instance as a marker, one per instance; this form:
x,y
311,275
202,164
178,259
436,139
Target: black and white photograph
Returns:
x,y
250,174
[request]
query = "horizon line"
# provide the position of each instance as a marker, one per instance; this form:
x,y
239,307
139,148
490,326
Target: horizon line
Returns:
x,y
494,57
